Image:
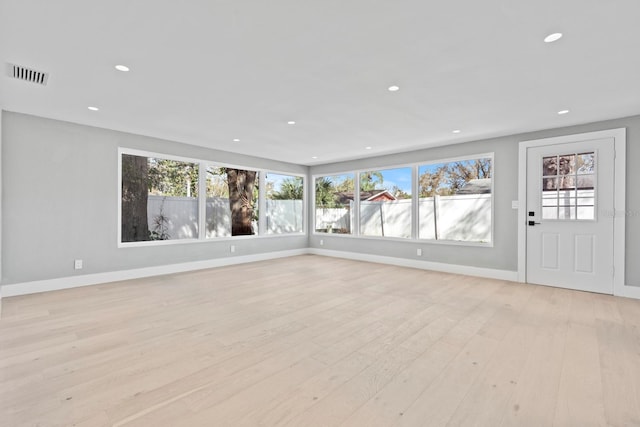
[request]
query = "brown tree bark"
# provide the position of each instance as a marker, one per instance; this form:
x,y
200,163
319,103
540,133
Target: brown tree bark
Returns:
x,y
135,190
241,184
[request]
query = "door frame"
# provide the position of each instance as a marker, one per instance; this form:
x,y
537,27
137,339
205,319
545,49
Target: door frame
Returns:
x,y
620,142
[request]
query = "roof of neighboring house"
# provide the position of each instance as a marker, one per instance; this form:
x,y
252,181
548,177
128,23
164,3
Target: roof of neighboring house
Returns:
x,y
344,197
476,186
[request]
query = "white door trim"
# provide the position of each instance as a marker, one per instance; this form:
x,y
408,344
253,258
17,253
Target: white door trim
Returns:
x,y
620,143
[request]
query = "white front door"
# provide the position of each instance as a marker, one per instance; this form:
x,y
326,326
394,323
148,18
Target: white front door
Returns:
x,y
570,212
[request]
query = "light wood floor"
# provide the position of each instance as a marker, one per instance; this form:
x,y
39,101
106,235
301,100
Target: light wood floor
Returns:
x,y
314,341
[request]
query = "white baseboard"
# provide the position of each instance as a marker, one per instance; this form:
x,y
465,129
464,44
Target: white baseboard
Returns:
x,y
25,288
115,276
628,291
424,265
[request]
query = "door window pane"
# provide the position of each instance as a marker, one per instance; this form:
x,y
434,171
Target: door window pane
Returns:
x,y
568,186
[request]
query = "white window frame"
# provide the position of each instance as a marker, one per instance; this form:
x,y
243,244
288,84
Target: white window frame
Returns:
x,y
489,155
263,204
356,221
415,179
411,167
202,168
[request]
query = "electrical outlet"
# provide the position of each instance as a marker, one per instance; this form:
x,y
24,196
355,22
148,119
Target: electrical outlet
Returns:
x,y
419,252
77,264
233,248
321,242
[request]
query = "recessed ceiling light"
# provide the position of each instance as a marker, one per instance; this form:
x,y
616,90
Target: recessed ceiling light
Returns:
x,y
291,122
314,157
553,37
367,148
122,68
93,108
236,140
563,112
394,88
456,131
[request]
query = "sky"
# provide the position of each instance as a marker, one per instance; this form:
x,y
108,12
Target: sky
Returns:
x,y
400,177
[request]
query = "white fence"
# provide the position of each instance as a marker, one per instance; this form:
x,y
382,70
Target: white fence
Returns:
x,y
181,213
388,218
334,220
284,216
461,218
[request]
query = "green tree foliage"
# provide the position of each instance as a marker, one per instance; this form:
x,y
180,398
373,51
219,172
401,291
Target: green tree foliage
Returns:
x,y
328,189
217,185
290,189
371,180
172,178
345,185
325,192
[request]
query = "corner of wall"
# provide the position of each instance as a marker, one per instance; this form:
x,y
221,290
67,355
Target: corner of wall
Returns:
x,y
1,112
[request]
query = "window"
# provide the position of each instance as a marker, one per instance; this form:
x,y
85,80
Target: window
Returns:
x,y
159,199
334,203
455,200
171,199
385,203
284,203
217,212
568,190
232,200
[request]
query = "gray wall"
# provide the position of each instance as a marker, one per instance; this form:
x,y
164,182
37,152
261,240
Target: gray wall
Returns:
x,y
60,180
504,253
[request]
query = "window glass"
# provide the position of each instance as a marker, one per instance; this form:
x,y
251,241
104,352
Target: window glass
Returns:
x,y
568,186
455,200
218,211
385,203
334,196
284,203
232,202
159,199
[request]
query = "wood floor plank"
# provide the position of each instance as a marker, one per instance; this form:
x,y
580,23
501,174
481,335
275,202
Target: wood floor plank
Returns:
x,y
580,396
316,341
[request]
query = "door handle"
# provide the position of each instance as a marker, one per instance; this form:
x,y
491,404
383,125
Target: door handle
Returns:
x,y
532,223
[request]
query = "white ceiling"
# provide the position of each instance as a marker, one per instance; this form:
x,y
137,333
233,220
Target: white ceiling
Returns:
x,y
205,72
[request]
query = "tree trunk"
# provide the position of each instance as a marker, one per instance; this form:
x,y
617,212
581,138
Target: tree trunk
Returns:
x,y
135,190
241,184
